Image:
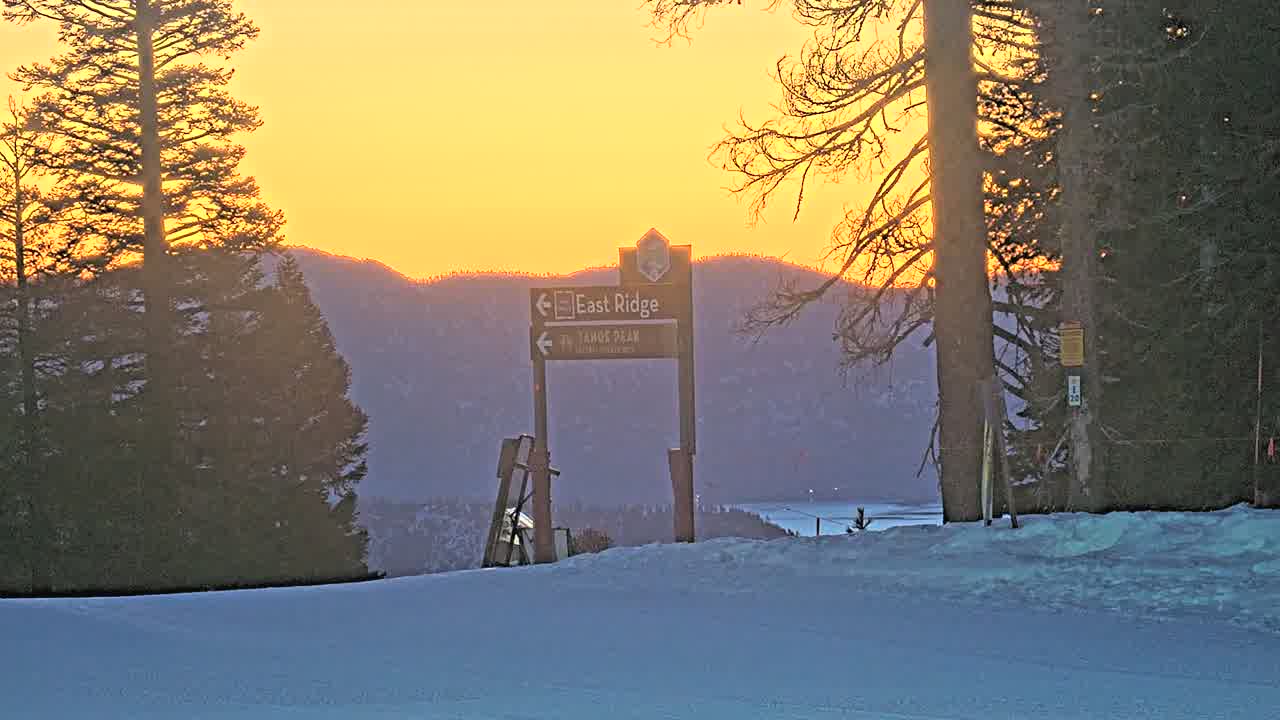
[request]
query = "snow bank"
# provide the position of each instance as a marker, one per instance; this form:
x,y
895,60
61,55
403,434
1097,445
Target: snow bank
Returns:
x,y
914,623
1221,565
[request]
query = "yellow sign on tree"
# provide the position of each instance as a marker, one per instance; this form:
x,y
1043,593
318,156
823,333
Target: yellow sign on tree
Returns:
x,y
1072,336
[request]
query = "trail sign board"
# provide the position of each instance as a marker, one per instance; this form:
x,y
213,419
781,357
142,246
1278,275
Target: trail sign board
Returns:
x,y
607,302
606,341
648,315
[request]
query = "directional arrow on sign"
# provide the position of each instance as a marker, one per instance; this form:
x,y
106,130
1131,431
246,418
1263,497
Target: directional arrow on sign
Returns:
x,y
543,304
544,343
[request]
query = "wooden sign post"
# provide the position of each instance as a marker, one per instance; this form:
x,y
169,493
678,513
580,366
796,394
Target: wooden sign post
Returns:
x,y
540,467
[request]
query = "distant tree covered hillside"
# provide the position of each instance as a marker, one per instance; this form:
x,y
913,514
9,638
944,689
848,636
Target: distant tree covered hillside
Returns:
x,y
443,370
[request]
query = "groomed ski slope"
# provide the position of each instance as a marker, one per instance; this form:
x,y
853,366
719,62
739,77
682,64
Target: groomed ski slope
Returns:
x,y
1130,616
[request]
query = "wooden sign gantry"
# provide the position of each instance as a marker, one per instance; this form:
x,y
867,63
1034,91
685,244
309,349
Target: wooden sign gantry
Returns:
x,y
648,315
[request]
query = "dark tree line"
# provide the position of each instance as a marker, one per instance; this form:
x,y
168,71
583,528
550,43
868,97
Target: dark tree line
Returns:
x,y
175,415
1160,127
1129,169
1184,200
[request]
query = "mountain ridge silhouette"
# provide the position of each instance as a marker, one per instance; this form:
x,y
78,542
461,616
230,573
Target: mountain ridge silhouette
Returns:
x,y
442,368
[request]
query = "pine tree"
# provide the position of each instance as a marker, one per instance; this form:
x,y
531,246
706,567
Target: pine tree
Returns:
x,y
28,255
143,138
1068,46
317,453
92,420
144,130
961,296
1184,215
274,442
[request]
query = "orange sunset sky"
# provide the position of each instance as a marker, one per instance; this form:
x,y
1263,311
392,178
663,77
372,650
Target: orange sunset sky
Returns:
x,y
505,135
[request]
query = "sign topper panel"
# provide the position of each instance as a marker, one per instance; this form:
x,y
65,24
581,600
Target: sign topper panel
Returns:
x,y
653,256
653,260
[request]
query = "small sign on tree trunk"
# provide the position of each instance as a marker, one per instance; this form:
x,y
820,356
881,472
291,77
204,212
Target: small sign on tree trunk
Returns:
x,y
1071,335
1073,390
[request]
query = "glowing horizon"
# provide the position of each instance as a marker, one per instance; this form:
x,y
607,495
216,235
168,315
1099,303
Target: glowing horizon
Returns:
x,y
505,137
603,266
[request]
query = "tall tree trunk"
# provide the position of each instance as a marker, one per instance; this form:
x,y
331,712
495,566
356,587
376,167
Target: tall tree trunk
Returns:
x,y
1068,23
158,330
962,304
38,535
24,320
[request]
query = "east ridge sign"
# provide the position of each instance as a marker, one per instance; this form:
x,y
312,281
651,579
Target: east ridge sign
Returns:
x,y
610,303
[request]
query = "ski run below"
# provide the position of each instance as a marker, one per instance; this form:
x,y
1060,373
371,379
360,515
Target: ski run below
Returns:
x,y
1126,615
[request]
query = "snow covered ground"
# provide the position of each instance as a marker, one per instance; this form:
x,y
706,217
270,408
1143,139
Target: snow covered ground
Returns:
x,y
1166,616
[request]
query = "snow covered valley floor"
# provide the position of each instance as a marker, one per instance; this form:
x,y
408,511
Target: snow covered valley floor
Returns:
x,y
1145,615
